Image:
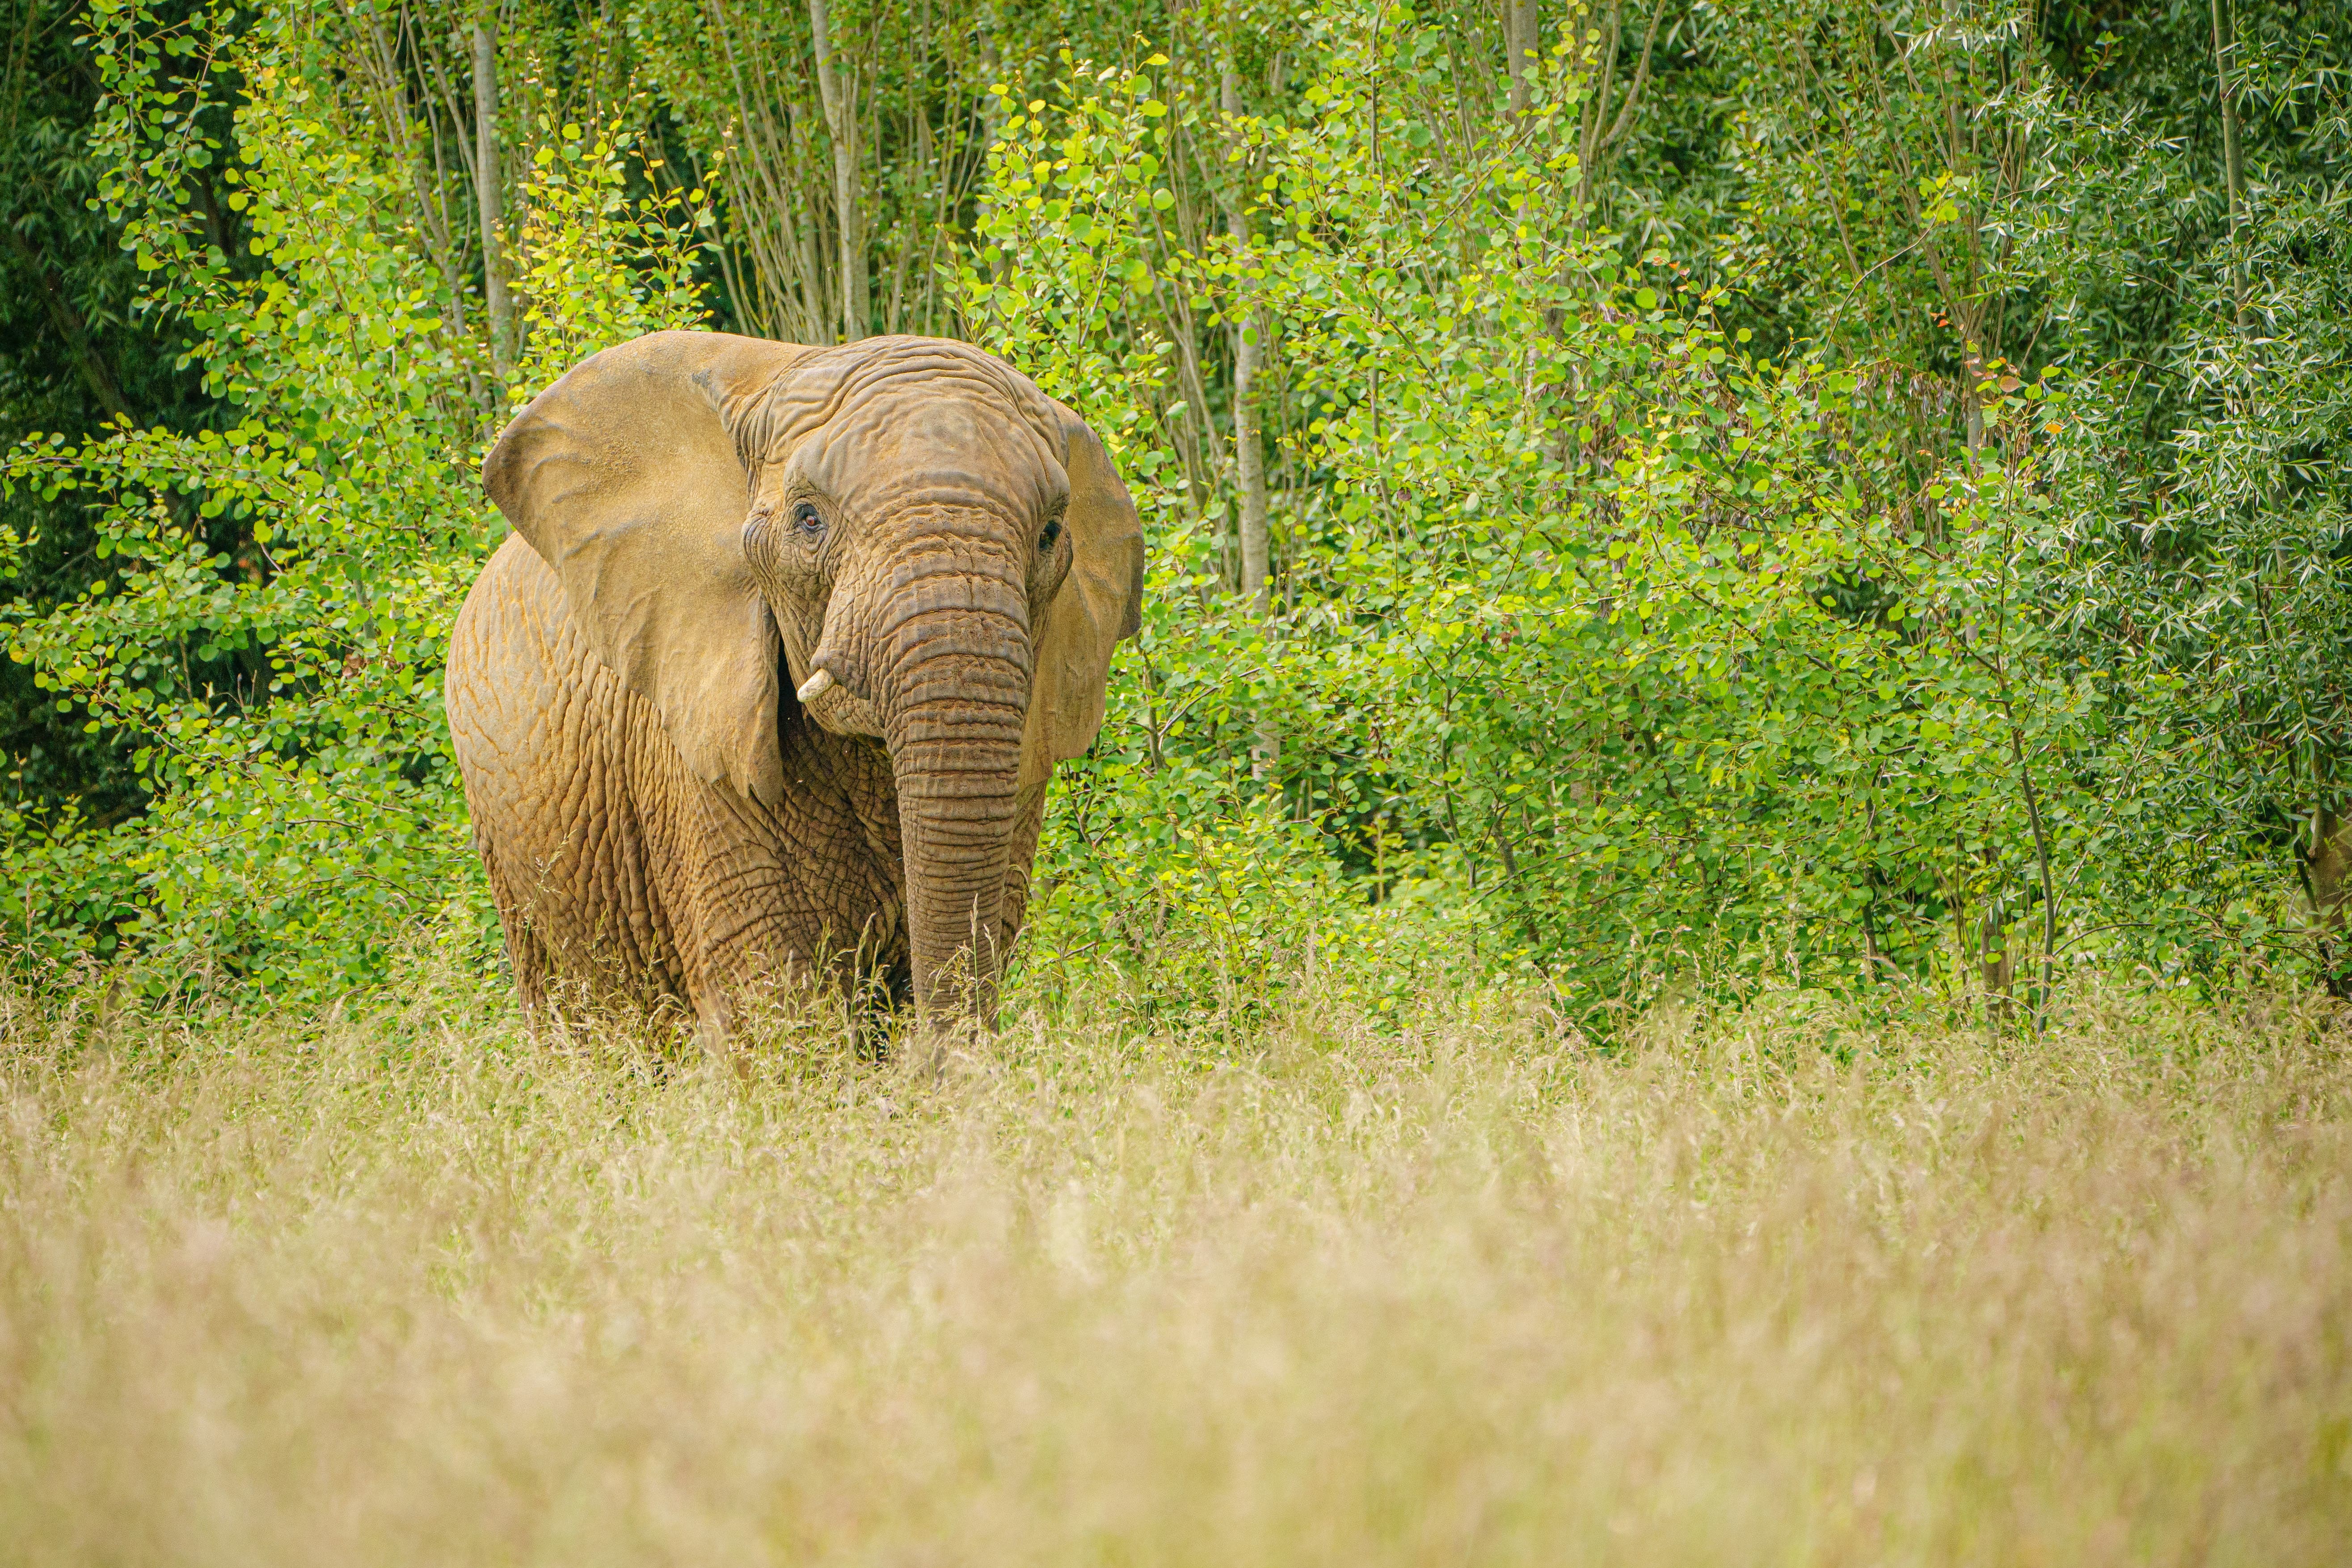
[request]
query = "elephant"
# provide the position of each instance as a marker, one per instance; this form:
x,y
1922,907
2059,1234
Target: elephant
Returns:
x,y
769,682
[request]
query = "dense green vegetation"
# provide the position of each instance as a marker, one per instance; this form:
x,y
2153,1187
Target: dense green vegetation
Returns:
x,y
1711,495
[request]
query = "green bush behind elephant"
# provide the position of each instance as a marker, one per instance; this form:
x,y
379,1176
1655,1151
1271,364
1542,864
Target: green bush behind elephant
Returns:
x,y
771,680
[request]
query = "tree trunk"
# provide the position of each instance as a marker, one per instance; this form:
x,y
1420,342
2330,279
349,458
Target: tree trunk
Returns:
x,y
1249,463
1520,39
1973,378
783,295
1249,359
1601,132
1249,446
2327,864
839,90
820,299
491,199
2234,163
389,93
2000,970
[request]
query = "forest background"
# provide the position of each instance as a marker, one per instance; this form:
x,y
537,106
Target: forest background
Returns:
x,y
1837,496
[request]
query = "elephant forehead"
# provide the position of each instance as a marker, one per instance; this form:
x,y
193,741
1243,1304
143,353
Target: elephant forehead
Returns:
x,y
924,444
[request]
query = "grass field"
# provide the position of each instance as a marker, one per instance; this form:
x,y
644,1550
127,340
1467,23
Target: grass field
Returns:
x,y
399,1286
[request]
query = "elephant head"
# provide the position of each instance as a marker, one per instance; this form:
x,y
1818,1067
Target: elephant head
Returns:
x,y
904,530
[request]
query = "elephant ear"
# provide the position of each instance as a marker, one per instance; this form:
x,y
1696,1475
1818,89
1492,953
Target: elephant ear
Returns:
x,y
1100,601
625,477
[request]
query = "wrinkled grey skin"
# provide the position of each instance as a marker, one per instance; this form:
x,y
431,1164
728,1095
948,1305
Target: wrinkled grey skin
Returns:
x,y
703,523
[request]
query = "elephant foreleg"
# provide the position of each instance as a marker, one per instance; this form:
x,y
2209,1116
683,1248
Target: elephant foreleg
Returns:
x,y
526,956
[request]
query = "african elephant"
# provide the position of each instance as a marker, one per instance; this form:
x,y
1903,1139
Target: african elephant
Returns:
x,y
772,675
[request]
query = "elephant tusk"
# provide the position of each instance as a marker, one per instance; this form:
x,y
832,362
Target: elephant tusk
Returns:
x,y
816,686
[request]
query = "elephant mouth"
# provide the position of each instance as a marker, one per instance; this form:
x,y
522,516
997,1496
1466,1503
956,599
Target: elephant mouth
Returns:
x,y
843,714
826,698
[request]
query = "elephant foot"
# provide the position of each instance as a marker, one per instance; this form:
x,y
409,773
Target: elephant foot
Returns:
x,y
926,1056
715,1041
935,1049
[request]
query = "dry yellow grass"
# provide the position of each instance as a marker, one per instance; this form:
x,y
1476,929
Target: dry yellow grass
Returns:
x,y
406,1289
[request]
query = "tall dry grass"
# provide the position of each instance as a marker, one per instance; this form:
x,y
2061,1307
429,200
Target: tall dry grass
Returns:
x,y
405,1287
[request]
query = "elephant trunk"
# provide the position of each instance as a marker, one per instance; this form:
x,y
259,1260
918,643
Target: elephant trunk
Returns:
x,y
961,683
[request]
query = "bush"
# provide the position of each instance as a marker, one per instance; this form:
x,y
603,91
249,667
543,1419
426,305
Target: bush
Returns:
x,y
278,592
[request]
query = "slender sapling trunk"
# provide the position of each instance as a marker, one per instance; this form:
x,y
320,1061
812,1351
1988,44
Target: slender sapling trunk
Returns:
x,y
490,198
839,90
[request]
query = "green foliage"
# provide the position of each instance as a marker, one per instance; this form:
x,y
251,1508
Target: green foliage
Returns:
x,y
606,263
281,690
2213,573
1646,646
75,353
1825,496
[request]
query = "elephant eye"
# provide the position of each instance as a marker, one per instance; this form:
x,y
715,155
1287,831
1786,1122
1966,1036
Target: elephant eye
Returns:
x,y
805,519
1053,532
